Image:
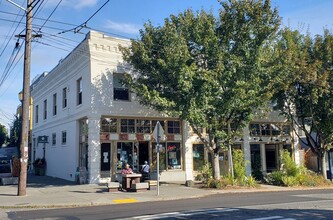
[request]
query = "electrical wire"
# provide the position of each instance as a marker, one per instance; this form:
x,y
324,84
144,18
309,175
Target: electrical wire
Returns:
x,y
43,19
22,16
10,64
84,24
50,15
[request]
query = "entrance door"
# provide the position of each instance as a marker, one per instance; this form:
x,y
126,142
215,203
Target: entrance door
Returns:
x,y
126,153
271,157
105,160
143,152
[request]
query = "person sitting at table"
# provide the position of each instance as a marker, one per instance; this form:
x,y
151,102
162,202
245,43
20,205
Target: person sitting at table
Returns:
x,y
127,169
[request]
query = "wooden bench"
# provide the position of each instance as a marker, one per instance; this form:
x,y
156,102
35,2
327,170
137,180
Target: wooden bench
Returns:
x,y
152,184
140,186
113,186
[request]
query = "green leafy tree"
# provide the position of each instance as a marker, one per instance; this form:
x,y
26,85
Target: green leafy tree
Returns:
x,y
305,89
211,72
3,135
15,132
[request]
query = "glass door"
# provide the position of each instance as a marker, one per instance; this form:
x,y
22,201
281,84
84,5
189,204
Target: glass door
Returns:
x,y
127,153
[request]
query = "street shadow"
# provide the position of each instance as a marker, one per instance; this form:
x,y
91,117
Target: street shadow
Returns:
x,y
117,212
46,181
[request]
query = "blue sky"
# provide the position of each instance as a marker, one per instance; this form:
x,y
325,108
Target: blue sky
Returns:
x,y
119,17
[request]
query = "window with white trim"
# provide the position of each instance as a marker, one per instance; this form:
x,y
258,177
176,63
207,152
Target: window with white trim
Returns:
x,y
55,104
45,109
120,91
54,139
63,137
64,97
79,91
36,114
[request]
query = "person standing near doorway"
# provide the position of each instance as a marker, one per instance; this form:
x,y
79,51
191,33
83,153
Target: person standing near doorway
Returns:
x,y
145,170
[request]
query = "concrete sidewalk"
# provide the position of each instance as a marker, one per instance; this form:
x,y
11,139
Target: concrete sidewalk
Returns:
x,y
48,192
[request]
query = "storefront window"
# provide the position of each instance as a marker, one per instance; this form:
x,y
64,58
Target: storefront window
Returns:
x,y
125,154
143,126
173,127
173,150
109,125
275,129
127,126
266,129
198,156
254,129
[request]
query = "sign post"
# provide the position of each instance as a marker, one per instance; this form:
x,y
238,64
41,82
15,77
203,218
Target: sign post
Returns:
x,y
157,134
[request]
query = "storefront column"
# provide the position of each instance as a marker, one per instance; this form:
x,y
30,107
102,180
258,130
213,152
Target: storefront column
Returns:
x,y
247,150
94,150
263,158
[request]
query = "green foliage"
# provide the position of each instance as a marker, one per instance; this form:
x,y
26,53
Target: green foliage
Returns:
x,y
239,164
304,85
289,167
15,132
291,175
230,182
256,169
204,173
3,134
289,180
208,71
274,178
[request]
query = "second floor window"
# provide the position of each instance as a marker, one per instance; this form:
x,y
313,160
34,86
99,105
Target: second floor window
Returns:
x,y
54,139
79,91
55,104
45,109
174,127
63,137
36,114
120,91
64,97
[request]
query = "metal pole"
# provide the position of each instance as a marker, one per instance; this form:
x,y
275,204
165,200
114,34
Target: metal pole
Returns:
x,y
158,157
25,104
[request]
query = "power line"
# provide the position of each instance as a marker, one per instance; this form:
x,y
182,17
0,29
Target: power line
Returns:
x,y
10,63
43,19
50,15
84,24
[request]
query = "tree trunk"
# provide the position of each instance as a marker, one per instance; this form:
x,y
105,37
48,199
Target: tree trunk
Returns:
x,y
216,165
323,164
230,162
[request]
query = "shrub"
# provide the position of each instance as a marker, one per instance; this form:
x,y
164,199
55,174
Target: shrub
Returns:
x,y
251,181
274,178
239,164
289,180
288,165
205,173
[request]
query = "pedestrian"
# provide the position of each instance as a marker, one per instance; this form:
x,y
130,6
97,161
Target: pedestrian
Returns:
x,y
145,170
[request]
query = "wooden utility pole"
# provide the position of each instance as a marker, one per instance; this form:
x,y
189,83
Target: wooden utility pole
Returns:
x,y
22,185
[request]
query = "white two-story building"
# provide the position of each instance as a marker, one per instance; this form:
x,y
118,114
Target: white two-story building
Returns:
x,y
94,122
